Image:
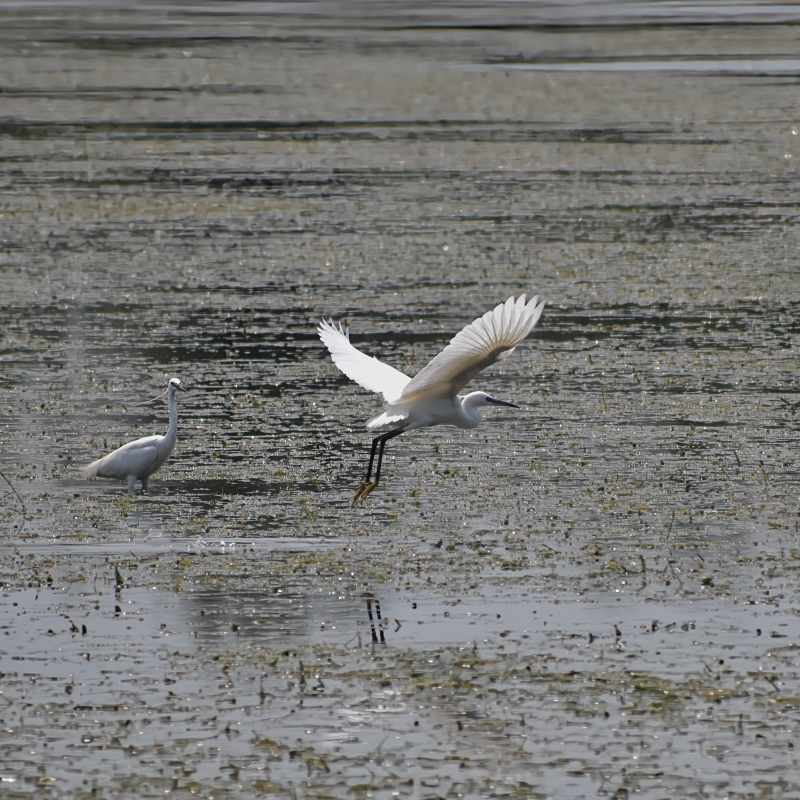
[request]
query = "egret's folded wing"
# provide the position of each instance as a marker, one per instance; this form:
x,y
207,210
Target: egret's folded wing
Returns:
x,y
359,367
133,458
488,339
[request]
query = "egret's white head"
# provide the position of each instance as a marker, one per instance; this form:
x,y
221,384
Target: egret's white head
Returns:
x,y
474,402
172,387
479,399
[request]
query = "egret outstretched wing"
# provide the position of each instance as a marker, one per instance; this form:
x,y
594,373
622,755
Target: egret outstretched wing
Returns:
x,y
488,339
365,370
134,458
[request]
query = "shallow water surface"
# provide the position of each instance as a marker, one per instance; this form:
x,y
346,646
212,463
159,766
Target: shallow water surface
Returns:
x,y
595,595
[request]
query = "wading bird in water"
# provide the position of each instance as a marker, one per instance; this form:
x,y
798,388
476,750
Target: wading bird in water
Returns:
x,y
431,397
137,461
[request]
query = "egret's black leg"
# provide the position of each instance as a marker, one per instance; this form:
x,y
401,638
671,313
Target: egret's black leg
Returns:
x,y
368,484
385,438
372,457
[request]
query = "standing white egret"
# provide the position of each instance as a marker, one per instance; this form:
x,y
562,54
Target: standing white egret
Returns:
x,y
431,397
140,459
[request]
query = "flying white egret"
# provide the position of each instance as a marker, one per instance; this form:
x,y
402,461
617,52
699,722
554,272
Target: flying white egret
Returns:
x,y
137,461
431,397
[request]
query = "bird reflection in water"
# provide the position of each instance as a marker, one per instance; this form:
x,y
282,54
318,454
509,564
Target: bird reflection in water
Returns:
x,y
375,635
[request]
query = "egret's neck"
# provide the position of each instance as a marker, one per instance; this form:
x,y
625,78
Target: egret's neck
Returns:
x,y
472,414
172,431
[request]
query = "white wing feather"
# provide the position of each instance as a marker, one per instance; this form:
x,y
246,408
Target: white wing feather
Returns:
x,y
359,367
485,341
134,458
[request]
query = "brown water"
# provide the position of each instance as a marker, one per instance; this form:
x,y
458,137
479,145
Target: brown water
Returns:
x,y
594,596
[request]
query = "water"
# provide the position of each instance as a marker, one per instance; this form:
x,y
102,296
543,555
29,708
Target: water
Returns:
x,y
593,596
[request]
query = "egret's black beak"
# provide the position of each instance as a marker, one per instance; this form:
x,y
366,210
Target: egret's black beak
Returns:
x,y
183,388
501,402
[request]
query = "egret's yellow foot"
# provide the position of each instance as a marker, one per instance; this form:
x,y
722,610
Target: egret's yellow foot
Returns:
x,y
363,491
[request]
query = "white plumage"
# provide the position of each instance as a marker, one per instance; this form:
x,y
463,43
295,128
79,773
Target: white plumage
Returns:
x,y
431,397
359,367
138,460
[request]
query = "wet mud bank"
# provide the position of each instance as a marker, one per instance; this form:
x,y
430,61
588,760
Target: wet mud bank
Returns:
x,y
596,595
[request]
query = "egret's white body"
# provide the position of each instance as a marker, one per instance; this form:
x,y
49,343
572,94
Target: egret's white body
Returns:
x,y
140,459
431,397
